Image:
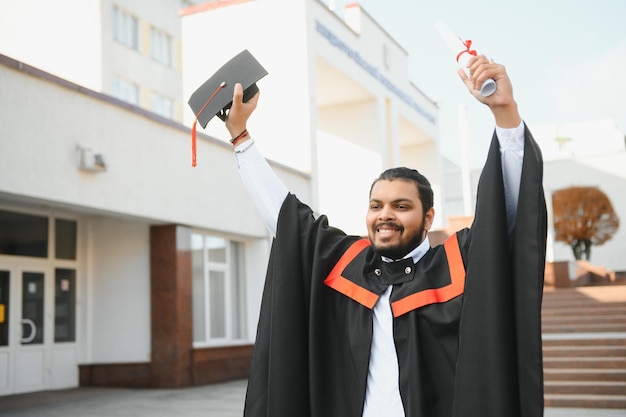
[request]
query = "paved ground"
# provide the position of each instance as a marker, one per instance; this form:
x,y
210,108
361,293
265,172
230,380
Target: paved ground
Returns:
x,y
219,400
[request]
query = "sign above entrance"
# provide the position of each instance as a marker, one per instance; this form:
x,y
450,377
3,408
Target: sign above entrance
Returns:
x,y
372,70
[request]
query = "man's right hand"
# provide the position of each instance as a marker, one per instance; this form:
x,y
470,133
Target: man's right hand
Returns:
x,y
240,112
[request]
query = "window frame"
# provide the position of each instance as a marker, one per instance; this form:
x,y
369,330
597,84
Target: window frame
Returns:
x,y
125,27
120,88
161,46
234,302
164,106
51,264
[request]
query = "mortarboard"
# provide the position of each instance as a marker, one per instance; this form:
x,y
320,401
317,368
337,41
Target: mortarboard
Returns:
x,y
215,96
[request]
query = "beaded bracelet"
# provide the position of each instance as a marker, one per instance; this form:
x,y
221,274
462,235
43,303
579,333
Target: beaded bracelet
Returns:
x,y
234,140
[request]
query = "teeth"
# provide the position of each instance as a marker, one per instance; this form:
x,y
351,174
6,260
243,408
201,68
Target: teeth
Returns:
x,y
386,231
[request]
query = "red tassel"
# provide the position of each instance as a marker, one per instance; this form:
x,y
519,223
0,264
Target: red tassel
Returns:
x,y
195,122
193,143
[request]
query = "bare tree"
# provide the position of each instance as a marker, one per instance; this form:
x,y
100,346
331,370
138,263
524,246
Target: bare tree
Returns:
x,y
583,217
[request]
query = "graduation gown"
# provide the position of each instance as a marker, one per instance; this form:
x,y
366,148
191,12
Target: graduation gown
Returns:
x,y
467,316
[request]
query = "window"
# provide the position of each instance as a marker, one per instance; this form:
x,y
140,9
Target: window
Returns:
x,y
64,305
161,47
33,308
161,105
126,91
125,28
5,280
23,234
65,239
218,294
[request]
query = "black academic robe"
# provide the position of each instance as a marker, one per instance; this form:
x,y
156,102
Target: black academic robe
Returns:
x,y
467,316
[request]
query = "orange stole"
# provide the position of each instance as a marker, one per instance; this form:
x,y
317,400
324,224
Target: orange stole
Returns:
x,y
414,301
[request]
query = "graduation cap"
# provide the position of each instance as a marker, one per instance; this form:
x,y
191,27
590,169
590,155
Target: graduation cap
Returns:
x,y
215,96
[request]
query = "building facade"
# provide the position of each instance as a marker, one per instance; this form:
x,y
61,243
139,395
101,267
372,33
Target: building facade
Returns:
x,y
122,265
589,153
337,101
128,49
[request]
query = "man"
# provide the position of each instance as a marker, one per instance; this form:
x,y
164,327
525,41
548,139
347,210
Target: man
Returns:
x,y
388,326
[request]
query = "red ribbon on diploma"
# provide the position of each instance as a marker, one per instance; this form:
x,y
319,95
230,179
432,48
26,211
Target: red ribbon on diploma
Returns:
x,y
468,45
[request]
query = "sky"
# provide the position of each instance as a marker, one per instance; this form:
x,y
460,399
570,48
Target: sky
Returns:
x,y
565,58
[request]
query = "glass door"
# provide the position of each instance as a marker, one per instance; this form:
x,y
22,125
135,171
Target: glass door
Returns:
x,y
38,306
32,332
32,308
5,318
25,328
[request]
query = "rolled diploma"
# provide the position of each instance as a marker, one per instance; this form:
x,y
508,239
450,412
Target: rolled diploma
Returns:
x,y
459,49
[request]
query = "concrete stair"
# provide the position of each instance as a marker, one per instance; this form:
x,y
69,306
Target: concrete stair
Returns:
x,y
584,347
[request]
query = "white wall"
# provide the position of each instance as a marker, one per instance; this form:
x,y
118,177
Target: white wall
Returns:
x,y
296,102
358,122
257,252
348,160
148,180
211,38
608,174
149,173
374,110
73,39
118,291
386,59
138,66
427,160
345,175
579,139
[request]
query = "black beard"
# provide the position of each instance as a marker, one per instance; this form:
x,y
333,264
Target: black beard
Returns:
x,y
399,252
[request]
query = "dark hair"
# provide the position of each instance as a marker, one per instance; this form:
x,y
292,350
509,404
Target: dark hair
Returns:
x,y
402,173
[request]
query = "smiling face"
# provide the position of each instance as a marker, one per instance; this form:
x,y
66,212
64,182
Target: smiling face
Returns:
x,y
396,221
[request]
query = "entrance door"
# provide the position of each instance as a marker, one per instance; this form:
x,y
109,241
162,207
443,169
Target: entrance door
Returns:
x,y
30,358
25,326
38,265
5,317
